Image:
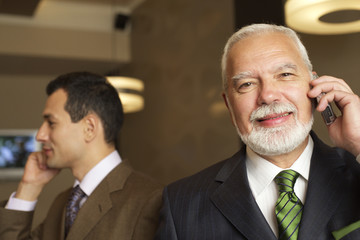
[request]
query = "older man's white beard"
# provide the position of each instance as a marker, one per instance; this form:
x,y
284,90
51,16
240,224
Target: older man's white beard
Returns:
x,y
276,140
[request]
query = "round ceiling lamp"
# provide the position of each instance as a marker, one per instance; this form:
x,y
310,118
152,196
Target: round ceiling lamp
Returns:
x,y
308,16
130,92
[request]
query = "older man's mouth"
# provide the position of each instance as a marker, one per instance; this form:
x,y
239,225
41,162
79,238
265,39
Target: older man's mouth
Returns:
x,y
275,117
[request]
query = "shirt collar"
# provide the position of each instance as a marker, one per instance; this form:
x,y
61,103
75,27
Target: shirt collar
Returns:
x,y
262,172
94,177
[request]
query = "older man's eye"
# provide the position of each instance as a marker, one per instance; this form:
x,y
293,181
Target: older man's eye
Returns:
x,y
245,86
287,75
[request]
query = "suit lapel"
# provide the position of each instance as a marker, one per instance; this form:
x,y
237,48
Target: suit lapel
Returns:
x,y
99,202
324,190
54,224
234,200
93,210
62,228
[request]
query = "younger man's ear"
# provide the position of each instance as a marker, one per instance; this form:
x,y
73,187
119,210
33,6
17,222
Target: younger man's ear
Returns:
x,y
91,122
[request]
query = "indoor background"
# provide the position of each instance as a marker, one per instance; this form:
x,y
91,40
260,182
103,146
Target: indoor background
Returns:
x,y
174,47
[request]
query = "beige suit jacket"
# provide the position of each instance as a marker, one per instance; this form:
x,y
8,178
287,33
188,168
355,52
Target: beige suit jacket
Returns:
x,y
124,206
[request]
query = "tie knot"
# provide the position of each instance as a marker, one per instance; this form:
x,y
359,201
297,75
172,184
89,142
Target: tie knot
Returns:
x,y
77,194
286,180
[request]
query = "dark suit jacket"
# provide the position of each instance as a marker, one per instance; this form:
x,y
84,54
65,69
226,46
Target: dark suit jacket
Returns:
x,y
124,206
217,203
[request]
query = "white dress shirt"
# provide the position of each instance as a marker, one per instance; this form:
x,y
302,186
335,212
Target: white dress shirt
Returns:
x,y
91,180
261,174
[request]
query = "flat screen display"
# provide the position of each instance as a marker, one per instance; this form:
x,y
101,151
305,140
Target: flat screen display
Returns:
x,y
15,147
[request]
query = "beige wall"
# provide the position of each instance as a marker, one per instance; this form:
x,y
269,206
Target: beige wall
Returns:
x,y
176,50
22,98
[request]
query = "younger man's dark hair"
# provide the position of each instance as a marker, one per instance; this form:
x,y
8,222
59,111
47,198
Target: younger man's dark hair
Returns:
x,y
91,93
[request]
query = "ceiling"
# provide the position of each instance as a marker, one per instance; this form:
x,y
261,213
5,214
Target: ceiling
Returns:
x,y
28,7
18,7
26,16
27,24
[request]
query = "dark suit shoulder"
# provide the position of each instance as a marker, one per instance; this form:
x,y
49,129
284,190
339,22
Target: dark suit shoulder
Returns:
x,y
351,173
350,160
210,177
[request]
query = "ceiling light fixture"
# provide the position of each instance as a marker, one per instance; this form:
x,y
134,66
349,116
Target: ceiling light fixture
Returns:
x,y
130,92
312,16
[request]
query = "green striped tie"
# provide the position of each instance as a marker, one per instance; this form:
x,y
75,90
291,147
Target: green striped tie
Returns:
x,y
288,206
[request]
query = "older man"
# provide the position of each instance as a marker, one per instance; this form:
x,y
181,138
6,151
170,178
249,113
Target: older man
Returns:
x,y
284,183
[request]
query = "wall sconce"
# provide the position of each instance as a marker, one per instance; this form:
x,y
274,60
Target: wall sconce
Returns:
x,y
130,92
308,16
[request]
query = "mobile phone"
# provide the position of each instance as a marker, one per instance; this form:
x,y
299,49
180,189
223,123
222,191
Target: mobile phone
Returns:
x,y
328,114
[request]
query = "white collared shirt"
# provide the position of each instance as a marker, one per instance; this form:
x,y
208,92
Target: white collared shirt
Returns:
x,y
91,180
94,177
261,174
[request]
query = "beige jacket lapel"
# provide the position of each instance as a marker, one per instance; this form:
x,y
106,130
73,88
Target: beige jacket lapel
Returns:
x,y
99,202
